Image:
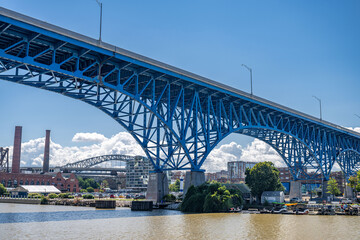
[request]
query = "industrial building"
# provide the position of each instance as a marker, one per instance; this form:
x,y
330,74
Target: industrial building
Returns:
x,y
15,178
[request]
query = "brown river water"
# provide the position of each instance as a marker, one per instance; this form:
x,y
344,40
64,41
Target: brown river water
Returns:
x,y
18,221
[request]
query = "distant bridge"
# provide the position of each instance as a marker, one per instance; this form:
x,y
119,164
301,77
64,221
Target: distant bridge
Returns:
x,y
89,162
177,117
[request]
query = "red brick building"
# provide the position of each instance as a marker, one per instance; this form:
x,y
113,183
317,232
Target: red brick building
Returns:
x,y
12,180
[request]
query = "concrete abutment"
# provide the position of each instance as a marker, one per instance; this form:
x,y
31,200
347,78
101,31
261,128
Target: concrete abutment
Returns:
x,y
295,190
193,178
157,186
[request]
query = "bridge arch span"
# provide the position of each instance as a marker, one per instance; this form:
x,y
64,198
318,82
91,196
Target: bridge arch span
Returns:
x,y
349,161
177,117
296,154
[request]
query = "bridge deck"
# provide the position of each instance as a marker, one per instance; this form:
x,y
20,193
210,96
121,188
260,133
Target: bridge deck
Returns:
x,y
146,62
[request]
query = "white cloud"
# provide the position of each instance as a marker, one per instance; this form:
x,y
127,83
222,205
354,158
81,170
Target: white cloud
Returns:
x,y
32,152
259,151
218,158
256,151
356,129
88,137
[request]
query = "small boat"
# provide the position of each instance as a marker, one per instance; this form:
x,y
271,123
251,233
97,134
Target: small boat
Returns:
x,y
235,210
265,211
302,211
279,209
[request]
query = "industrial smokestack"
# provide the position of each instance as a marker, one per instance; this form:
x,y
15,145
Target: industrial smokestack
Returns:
x,y
46,152
17,150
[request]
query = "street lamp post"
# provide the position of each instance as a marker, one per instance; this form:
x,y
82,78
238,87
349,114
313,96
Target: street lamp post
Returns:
x,y
320,106
357,115
100,5
248,68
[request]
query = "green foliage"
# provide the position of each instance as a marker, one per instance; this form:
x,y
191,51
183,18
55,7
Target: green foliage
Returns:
x,y
263,177
83,191
34,195
44,200
357,188
175,187
333,187
266,203
65,195
89,182
90,189
354,182
210,197
2,189
88,196
169,198
104,184
53,195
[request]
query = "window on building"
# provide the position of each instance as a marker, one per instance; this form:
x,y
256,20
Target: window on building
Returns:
x,y
32,182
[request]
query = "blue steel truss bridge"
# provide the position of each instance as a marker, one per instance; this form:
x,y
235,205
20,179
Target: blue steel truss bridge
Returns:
x,y
177,117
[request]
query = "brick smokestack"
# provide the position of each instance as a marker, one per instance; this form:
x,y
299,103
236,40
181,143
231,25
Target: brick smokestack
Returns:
x,y
17,150
46,152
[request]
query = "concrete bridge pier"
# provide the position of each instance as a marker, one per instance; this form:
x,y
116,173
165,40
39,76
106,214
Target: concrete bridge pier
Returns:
x,y
295,190
349,193
158,186
193,178
325,193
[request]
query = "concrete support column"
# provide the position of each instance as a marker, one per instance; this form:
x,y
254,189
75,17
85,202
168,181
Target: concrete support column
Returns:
x,y
348,192
158,187
325,194
295,189
193,178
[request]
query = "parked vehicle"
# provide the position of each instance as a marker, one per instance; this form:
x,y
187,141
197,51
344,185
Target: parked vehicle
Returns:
x,y
139,197
346,200
295,200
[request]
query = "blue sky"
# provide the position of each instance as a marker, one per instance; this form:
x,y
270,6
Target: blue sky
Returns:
x,y
296,49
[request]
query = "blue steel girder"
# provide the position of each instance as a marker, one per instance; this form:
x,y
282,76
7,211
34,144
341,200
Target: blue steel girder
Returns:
x,y
177,117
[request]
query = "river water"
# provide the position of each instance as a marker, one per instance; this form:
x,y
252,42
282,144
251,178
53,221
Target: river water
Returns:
x,y
20,221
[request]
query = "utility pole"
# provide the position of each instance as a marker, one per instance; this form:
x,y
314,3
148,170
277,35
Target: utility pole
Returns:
x,y
248,68
320,106
100,5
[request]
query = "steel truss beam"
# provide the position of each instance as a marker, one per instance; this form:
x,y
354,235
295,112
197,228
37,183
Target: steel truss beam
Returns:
x,y
177,120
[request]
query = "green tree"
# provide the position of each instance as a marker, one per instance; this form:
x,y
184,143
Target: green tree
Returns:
x,y
333,187
210,197
88,182
90,189
263,177
357,187
88,196
53,195
175,187
104,184
92,183
169,198
2,189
